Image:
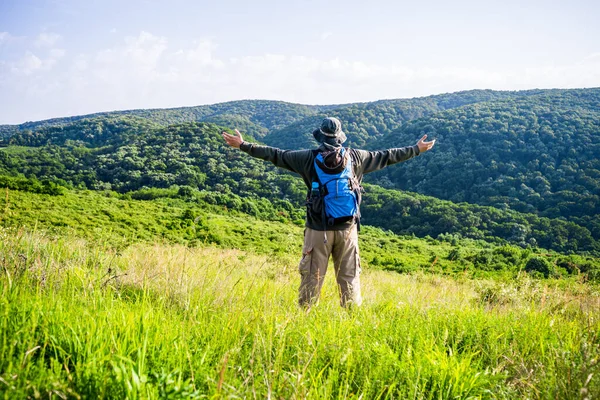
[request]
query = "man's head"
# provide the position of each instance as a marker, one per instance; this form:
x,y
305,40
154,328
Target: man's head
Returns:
x,y
330,132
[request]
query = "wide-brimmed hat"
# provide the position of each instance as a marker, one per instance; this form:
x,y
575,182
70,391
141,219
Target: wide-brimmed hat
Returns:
x,y
330,130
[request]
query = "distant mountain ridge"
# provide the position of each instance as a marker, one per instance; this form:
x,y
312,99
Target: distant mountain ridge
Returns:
x,y
366,122
254,116
260,117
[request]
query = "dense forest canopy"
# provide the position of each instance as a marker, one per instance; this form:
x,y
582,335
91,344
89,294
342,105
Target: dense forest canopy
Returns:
x,y
537,155
133,155
366,122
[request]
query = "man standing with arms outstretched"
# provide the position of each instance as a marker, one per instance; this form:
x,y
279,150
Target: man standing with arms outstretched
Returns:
x,y
325,233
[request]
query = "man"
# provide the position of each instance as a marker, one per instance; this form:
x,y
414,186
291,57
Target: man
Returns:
x,y
325,236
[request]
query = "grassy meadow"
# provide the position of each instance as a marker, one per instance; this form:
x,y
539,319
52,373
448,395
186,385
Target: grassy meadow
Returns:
x,y
108,298
169,321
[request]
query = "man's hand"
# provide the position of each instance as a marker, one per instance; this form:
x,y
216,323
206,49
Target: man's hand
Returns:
x,y
233,140
423,145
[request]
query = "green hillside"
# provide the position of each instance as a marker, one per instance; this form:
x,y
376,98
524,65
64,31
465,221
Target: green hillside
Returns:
x,y
536,155
366,122
532,152
199,220
126,156
256,117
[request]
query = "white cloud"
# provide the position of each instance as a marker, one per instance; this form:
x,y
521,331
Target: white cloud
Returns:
x,y
4,37
31,63
201,55
146,71
54,56
326,35
47,39
57,53
593,58
28,64
80,63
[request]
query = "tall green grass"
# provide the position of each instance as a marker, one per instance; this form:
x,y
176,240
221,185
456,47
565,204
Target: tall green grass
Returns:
x,y
83,320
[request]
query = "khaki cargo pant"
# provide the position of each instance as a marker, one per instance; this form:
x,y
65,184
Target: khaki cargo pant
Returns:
x,y
343,246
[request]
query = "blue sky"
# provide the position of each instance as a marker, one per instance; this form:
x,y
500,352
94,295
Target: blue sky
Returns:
x,y
68,57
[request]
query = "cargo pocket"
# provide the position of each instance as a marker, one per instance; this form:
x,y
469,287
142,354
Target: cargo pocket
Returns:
x,y
306,262
357,269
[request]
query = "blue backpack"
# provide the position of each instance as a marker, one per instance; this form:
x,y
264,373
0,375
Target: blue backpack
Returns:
x,y
336,185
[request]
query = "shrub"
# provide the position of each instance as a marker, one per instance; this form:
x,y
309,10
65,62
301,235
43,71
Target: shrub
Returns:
x,y
185,191
152,193
539,265
454,255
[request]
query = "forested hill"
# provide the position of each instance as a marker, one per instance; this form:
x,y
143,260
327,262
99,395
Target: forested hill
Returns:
x,y
135,156
537,154
256,117
366,122
261,117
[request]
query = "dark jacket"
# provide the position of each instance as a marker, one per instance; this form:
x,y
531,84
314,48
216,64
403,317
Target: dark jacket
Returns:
x,y
301,162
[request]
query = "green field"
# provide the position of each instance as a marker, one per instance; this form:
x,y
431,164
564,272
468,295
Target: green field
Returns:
x,y
167,321
104,297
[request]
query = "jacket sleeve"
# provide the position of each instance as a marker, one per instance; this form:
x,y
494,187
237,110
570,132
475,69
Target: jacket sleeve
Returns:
x,y
371,161
293,160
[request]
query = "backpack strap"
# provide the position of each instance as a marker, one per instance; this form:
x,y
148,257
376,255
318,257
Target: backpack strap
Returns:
x,y
313,173
314,177
356,187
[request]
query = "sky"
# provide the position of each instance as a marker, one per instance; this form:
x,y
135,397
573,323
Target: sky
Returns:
x,y
71,57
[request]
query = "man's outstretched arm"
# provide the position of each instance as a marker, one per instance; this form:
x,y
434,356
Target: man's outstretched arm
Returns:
x,y
295,161
371,161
